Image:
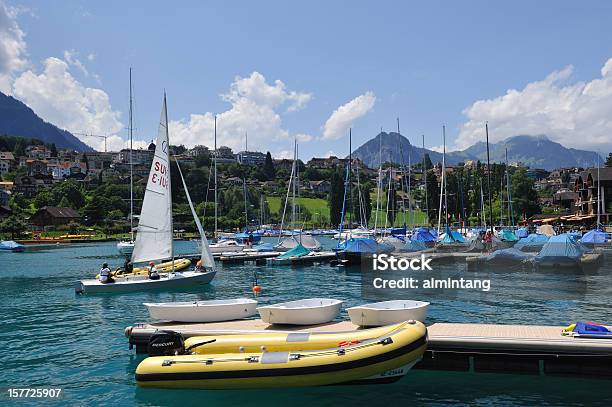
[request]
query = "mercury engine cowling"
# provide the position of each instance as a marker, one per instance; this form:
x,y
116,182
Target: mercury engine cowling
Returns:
x,y
166,343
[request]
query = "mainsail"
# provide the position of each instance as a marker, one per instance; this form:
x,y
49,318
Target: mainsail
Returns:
x,y
154,237
207,258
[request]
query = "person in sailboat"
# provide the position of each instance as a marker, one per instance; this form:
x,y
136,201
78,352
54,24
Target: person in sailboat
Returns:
x,y
128,267
153,273
199,268
105,274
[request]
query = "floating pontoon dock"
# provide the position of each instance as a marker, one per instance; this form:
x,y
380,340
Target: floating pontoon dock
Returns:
x,y
526,349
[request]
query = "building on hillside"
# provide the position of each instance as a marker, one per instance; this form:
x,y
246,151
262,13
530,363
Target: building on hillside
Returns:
x,y
565,199
250,158
282,163
29,186
197,151
68,154
536,173
592,186
36,167
233,181
99,160
324,163
54,216
38,152
185,160
7,161
319,187
224,155
6,185
138,156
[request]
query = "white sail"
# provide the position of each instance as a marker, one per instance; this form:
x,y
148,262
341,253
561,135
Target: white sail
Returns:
x,y
207,258
154,237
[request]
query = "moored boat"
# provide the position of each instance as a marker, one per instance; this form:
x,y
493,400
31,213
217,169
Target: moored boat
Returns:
x,y
203,311
11,246
226,246
126,247
388,312
309,311
302,362
138,283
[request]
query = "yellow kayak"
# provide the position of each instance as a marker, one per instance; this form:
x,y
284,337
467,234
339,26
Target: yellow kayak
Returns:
x,y
165,267
311,360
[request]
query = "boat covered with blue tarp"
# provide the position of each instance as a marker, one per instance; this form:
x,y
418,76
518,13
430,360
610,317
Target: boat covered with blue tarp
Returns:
x,y
561,250
595,236
532,243
522,232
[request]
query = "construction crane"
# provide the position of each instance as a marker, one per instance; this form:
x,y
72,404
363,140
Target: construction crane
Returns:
x,y
94,135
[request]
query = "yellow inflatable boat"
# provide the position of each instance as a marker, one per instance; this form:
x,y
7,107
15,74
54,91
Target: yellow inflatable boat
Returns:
x,y
263,360
165,267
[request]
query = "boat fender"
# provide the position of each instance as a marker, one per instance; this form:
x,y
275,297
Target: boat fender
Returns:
x,y
166,343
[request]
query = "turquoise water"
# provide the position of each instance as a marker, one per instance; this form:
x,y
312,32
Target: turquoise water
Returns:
x,y
54,338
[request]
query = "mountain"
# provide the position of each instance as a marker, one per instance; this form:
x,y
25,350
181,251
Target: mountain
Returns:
x,y
533,151
17,119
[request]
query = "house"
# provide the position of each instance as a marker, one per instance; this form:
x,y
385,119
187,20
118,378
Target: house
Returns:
x,y
28,185
565,199
233,181
593,186
251,158
7,161
99,160
319,187
38,152
137,157
197,151
224,154
54,216
37,167
6,185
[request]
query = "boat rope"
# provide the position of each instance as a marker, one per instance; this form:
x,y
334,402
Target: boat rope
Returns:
x,y
195,345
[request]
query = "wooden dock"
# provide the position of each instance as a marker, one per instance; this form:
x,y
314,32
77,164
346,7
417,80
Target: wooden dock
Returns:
x,y
525,349
245,257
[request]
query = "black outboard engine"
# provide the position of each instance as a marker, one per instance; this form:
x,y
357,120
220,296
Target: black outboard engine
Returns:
x,y
166,343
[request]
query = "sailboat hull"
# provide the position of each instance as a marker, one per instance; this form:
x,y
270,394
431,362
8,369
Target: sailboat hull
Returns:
x,y
143,283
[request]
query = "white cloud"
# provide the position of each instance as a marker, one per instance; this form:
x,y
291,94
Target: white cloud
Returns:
x,y
91,57
70,56
574,114
330,153
13,56
303,138
59,98
283,154
254,109
343,117
439,149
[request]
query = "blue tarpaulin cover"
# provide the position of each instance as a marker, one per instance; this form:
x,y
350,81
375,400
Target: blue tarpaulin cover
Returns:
x,y
365,245
297,251
508,236
533,242
510,255
423,235
413,246
594,236
592,330
522,232
452,236
561,247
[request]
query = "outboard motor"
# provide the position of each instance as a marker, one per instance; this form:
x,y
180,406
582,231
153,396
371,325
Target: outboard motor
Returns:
x,y
166,343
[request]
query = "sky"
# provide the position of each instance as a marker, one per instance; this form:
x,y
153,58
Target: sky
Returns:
x,y
279,71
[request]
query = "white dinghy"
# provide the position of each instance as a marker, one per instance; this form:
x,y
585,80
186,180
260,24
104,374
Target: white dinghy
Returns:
x,y
154,237
388,312
203,311
226,246
311,311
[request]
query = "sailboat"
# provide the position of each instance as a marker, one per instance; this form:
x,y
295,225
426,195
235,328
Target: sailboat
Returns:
x,y
298,238
155,226
126,247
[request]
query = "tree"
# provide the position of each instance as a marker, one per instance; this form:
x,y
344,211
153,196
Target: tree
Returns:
x,y
335,198
14,224
524,195
19,149
609,160
268,168
53,149
428,163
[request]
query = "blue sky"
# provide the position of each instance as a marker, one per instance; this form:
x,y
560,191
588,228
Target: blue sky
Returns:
x,y
426,62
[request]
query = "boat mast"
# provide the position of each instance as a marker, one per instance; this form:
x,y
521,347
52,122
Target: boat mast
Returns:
x,y
131,165
598,191
350,168
379,182
510,214
215,163
489,178
169,182
444,168
399,142
293,185
442,181
244,188
425,173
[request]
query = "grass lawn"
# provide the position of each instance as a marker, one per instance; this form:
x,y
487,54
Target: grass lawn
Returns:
x,y
314,205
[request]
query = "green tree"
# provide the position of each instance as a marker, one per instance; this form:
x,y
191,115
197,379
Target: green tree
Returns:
x,y
53,149
14,224
428,163
524,195
19,149
268,168
335,198
609,160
